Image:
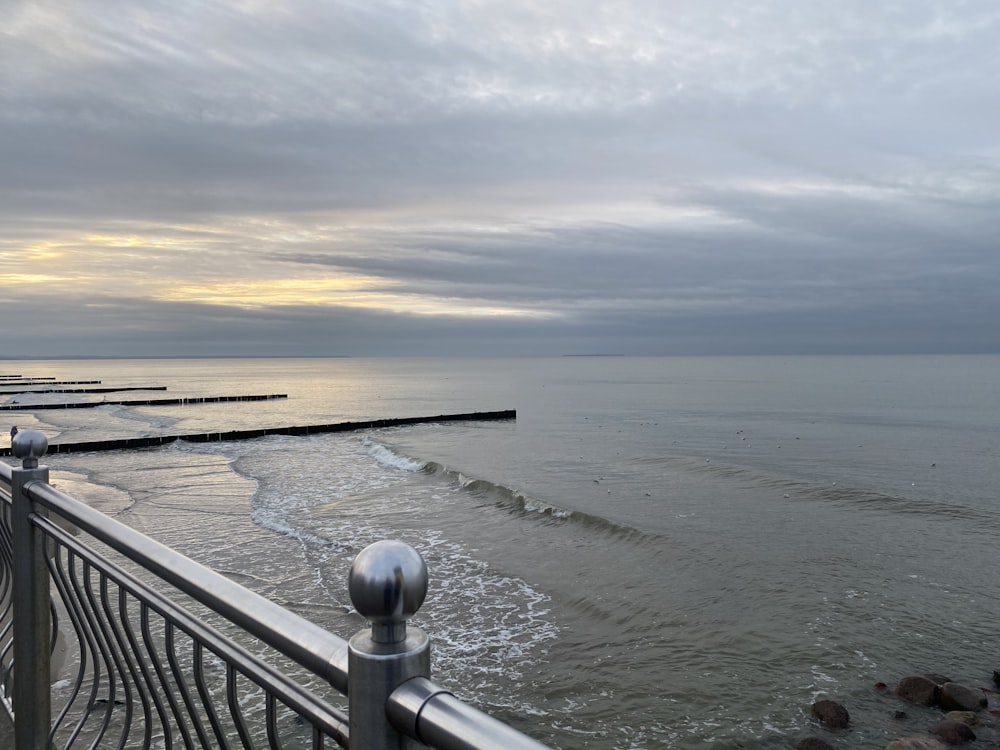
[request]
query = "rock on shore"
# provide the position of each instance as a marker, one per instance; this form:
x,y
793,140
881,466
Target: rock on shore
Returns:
x,y
952,732
831,714
917,742
963,704
937,690
955,697
918,689
968,714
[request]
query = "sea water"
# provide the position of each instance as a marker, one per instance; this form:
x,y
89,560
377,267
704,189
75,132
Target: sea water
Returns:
x,y
662,551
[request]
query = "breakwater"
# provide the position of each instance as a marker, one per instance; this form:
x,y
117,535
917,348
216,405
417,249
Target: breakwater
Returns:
x,y
300,430
143,402
47,389
47,381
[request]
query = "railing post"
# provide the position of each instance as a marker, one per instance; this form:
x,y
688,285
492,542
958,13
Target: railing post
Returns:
x,y
32,621
387,584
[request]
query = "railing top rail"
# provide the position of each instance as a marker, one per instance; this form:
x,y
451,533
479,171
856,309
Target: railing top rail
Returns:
x,y
422,710
306,643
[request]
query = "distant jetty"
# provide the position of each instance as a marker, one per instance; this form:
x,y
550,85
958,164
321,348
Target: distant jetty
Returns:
x,y
141,402
299,430
36,385
52,381
46,389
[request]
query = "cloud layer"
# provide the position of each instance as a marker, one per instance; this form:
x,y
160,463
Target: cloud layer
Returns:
x,y
641,177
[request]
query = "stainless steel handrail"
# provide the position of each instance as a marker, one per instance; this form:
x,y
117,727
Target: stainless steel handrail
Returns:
x,y
434,716
393,703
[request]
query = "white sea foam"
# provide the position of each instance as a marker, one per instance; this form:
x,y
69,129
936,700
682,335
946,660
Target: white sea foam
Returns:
x,y
154,421
335,494
389,458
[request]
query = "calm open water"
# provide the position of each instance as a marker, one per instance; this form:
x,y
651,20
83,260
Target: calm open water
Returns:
x,y
663,551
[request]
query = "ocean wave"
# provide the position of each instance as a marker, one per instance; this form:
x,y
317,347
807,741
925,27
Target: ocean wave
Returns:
x,y
513,499
882,502
504,496
276,521
389,458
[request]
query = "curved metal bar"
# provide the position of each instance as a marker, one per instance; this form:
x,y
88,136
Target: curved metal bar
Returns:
x,y
170,646
149,695
59,573
304,642
431,715
270,718
235,709
206,697
106,652
161,675
6,597
123,662
76,600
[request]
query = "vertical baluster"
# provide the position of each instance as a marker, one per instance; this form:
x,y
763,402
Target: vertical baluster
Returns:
x,y
206,697
60,572
105,649
125,662
161,675
182,688
151,686
80,598
270,717
6,599
234,706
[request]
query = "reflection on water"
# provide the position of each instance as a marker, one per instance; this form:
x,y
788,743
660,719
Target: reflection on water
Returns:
x,y
657,551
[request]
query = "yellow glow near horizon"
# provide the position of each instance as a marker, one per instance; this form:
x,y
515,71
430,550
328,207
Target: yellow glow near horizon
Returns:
x,y
157,266
31,278
269,292
348,291
110,240
36,252
134,240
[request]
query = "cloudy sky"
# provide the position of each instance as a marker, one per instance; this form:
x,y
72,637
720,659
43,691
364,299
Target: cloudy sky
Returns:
x,y
519,177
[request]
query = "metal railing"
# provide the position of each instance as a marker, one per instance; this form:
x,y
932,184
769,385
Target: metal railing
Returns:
x,y
157,650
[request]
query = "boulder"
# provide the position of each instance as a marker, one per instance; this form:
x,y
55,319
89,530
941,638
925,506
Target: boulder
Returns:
x,y
968,718
955,697
814,743
952,732
916,742
996,677
831,714
918,689
937,679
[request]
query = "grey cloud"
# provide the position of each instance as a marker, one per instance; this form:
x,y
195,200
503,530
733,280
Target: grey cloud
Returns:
x,y
843,161
137,328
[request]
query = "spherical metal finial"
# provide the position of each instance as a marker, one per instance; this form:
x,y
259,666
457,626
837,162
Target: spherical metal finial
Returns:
x,y
387,584
29,445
